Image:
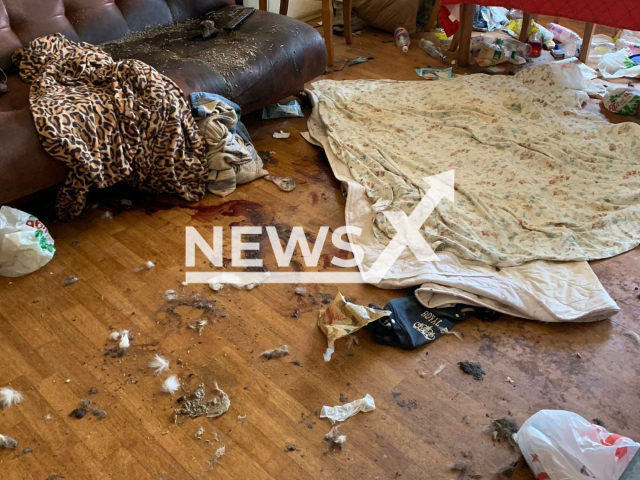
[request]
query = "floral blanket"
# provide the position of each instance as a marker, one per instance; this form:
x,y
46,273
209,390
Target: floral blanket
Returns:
x,y
536,177
110,121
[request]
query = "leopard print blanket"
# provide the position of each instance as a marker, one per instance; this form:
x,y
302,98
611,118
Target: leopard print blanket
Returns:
x,y
110,121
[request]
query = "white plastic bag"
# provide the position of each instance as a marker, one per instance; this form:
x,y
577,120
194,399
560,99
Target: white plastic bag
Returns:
x,y
561,445
25,243
618,64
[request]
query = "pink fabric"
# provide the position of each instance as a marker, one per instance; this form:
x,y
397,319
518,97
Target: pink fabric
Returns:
x,y
611,13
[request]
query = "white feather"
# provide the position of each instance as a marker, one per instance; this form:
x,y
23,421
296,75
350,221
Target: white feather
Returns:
x,y
439,369
159,364
114,335
171,385
124,340
9,396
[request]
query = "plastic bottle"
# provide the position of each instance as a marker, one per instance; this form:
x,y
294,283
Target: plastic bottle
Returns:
x,y
535,42
512,45
563,34
402,39
432,49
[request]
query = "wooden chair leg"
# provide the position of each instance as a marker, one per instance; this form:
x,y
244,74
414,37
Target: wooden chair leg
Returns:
x,y
346,14
284,7
466,25
262,5
455,41
327,23
526,24
586,41
433,18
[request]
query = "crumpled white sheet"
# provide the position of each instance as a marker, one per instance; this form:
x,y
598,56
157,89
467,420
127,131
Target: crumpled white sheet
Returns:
x,y
538,290
340,413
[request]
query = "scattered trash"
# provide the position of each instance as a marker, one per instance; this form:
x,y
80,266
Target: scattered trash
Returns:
x,y
286,184
78,413
432,49
507,472
291,109
124,342
446,331
149,265
335,440
440,368
465,470
340,413
357,61
25,243
351,342
47,416
171,385
503,429
97,412
622,100
472,368
402,38
107,215
279,352
195,406
281,134
9,397
297,363
242,417
55,476
558,444
219,453
196,301
435,73
27,450
290,448
509,379
208,29
199,433
343,398
618,64
218,282
69,281
632,334
301,291
295,314
597,421
7,442
198,325
342,318
159,364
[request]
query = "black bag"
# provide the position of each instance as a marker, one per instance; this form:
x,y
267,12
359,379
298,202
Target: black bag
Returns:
x,y
412,325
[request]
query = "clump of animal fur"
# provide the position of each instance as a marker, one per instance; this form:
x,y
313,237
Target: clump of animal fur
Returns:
x,y
7,442
279,352
335,440
503,429
195,405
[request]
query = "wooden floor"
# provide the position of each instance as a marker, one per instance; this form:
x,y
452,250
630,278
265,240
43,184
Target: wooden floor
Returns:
x,y
52,340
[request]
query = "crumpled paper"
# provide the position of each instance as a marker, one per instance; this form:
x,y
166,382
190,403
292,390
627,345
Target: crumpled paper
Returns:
x,y
342,318
340,413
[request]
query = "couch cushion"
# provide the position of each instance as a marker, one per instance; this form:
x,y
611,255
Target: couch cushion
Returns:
x,y
269,57
94,21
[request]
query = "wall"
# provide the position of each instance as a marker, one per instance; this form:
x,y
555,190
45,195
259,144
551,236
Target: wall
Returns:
x,y
297,8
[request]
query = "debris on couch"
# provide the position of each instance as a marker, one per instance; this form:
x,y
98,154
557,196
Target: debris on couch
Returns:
x,y
25,243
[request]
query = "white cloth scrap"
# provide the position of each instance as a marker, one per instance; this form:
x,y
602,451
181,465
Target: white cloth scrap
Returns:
x,y
340,413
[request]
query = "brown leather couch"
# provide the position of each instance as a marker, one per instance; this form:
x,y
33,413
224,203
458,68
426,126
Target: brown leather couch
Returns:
x,y
268,58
